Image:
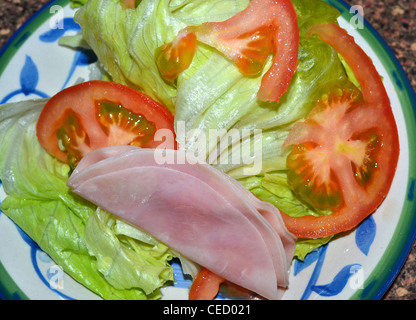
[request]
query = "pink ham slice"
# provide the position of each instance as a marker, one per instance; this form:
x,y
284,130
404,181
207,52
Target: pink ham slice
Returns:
x,y
196,210
216,180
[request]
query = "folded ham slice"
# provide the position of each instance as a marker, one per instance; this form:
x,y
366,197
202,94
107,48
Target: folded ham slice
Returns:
x,y
195,209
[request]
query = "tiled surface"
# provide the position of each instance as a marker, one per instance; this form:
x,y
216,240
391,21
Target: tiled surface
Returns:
x,y
394,20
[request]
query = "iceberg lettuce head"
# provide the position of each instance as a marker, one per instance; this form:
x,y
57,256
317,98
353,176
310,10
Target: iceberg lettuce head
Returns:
x,y
108,256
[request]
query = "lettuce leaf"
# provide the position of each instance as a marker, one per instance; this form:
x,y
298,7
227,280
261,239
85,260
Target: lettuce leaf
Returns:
x,y
212,93
127,257
91,246
108,256
217,96
125,40
78,3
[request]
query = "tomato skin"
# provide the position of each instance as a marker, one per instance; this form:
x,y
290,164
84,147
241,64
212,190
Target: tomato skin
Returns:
x,y
373,113
248,38
276,18
205,286
82,100
371,85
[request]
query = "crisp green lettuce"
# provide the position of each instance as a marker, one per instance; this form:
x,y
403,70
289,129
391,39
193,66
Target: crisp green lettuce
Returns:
x,y
217,95
127,257
222,98
212,93
125,41
306,246
78,3
109,257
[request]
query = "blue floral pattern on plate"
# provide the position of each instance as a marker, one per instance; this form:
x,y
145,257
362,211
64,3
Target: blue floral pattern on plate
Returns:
x,y
364,237
29,75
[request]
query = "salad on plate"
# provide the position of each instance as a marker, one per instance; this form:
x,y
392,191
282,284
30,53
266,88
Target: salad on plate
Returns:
x,y
232,136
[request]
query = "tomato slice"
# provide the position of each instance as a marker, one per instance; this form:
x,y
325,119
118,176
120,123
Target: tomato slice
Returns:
x,y
205,285
128,4
345,153
248,38
174,57
97,114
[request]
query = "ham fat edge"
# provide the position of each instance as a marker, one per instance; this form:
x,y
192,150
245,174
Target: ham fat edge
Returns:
x,y
195,209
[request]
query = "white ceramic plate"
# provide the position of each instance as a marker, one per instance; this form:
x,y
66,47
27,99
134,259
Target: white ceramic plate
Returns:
x,y
360,265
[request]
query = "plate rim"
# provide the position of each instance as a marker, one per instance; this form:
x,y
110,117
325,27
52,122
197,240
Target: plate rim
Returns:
x,y
374,289
18,38
9,290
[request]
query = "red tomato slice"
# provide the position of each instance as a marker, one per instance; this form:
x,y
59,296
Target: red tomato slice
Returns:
x,y
345,154
98,114
174,57
248,38
128,4
205,286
